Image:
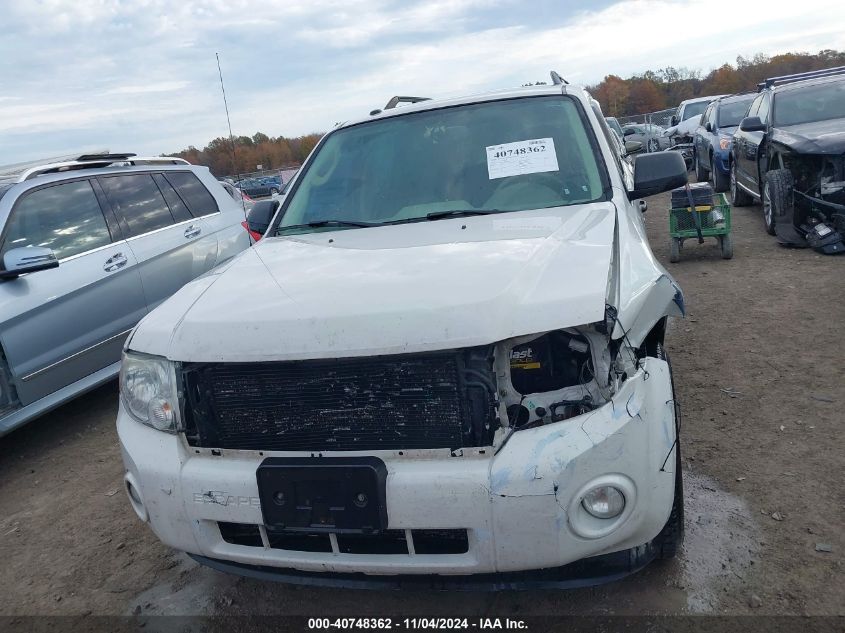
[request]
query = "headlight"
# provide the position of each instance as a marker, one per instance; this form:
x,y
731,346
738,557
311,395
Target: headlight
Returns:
x,y
148,389
604,502
725,142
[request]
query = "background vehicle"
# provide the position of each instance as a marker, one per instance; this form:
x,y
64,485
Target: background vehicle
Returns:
x,y
684,123
789,152
257,188
442,356
88,247
237,195
650,135
690,108
613,122
712,139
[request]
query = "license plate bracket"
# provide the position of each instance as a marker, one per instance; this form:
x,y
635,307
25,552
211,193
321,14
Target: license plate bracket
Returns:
x,y
323,494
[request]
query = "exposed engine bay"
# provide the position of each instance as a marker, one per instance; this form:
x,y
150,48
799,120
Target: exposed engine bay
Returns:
x,y
819,200
559,375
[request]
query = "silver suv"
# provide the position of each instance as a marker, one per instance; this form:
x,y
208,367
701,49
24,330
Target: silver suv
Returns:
x,y
87,248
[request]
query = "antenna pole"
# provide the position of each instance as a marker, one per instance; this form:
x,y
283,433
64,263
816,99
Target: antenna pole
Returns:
x,y
229,121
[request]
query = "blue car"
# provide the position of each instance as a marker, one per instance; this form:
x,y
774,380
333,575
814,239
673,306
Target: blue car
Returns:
x,y
712,139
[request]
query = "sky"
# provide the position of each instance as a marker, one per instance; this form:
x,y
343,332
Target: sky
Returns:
x,y
141,75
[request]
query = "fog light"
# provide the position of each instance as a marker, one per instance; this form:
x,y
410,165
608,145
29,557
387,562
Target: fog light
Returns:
x,y
604,502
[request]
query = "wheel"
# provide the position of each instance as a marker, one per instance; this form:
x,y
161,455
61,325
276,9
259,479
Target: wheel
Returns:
x,y
675,250
274,191
653,145
721,182
701,174
671,536
727,246
777,199
739,198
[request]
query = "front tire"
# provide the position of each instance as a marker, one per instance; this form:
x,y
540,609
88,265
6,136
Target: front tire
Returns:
x,y
739,198
777,199
721,182
668,542
701,174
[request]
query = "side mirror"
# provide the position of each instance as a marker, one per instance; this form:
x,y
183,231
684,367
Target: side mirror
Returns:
x,y
658,172
674,120
29,259
752,124
628,131
633,147
708,126
259,216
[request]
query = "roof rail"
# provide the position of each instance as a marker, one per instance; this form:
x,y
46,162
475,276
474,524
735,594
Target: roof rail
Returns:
x,y
557,80
91,161
395,101
812,74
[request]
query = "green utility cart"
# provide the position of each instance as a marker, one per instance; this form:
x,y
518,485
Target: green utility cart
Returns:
x,y
704,220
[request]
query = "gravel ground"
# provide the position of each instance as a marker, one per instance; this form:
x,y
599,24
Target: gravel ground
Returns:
x,y
759,370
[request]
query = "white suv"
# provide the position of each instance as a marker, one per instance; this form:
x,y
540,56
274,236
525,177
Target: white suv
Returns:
x,y
445,358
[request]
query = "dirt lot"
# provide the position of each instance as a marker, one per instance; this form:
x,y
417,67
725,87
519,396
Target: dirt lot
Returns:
x,y
761,379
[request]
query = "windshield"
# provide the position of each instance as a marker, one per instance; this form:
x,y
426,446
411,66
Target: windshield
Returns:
x,y
499,156
732,113
813,103
695,109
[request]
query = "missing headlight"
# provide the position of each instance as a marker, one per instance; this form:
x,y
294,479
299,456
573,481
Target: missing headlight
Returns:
x,y
550,362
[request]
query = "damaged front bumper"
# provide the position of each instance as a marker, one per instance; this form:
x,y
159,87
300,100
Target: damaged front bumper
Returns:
x,y
520,506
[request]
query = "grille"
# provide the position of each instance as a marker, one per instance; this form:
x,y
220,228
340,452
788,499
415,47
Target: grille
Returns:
x,y
387,542
435,400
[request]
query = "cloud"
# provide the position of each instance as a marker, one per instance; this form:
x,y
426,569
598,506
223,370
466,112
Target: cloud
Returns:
x,y
142,75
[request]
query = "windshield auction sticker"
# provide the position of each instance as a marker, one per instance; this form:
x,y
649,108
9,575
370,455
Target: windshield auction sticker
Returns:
x,y
523,157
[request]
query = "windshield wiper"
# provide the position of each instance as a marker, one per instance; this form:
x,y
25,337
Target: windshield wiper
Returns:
x,y
318,223
436,215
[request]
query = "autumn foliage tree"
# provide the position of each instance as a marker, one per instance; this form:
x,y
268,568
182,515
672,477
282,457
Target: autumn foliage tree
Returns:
x,y
667,87
249,152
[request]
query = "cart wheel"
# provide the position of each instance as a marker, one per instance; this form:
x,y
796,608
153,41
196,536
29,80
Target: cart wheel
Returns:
x,y
727,245
675,250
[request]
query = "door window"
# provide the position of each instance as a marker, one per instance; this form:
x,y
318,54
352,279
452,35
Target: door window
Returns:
x,y
755,106
178,208
763,112
193,192
138,201
65,218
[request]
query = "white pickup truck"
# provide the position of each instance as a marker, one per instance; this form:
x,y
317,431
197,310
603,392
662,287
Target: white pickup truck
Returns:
x,y
444,360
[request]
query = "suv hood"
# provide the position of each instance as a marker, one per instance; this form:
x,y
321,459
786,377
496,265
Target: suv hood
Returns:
x,y
405,288
820,137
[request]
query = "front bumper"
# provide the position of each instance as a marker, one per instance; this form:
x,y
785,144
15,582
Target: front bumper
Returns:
x,y
521,507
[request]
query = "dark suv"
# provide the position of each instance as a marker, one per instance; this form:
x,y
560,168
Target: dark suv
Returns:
x,y
789,152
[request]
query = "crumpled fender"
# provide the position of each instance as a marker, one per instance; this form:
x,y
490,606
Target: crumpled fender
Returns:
x,y
639,288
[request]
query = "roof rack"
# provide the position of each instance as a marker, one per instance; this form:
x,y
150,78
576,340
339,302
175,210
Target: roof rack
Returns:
x,y
395,101
90,161
557,80
788,79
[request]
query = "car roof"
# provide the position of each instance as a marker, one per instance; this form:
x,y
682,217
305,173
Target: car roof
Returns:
x,y
804,83
496,95
697,99
745,96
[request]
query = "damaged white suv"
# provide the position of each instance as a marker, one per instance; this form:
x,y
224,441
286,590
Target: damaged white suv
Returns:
x,y
444,361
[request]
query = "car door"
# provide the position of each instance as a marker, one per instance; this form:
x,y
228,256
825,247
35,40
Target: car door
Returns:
x,y
743,153
171,246
222,218
756,152
63,324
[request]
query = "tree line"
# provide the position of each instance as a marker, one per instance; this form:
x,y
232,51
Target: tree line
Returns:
x,y
647,92
666,88
250,151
